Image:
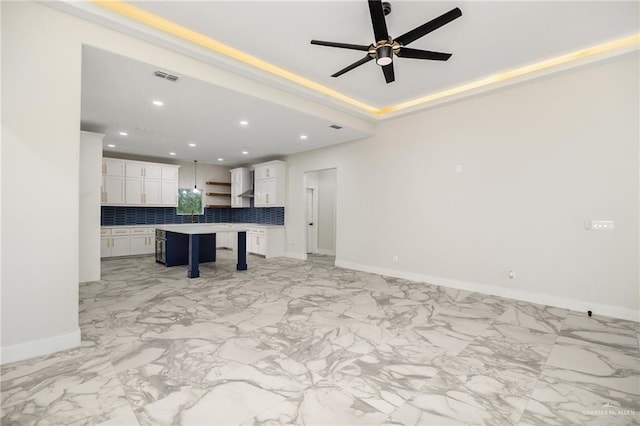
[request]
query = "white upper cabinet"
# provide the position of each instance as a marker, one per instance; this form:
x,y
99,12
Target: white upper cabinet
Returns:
x,y
139,183
134,170
153,171
169,173
113,167
112,190
270,184
169,192
153,191
113,172
240,182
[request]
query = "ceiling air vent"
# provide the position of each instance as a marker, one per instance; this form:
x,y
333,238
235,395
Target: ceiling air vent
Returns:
x,y
335,126
165,75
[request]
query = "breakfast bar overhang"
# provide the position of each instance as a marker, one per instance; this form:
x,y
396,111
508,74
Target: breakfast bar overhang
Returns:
x,y
195,232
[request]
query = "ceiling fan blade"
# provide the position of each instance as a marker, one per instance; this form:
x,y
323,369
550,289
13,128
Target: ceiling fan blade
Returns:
x,y
378,21
389,76
405,52
432,25
341,45
352,66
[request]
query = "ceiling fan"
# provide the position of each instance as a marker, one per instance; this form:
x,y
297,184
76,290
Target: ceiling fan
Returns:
x,y
385,47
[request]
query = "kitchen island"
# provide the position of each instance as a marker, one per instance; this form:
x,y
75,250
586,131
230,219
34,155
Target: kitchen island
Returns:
x,y
170,246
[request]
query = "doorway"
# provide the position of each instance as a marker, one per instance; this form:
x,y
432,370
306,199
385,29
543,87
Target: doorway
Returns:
x,y
312,220
320,212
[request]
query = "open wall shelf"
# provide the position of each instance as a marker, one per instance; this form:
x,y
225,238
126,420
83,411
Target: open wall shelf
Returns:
x,y
218,194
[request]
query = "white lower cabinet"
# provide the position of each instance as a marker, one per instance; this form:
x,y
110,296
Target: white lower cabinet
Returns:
x,y
114,242
257,241
142,241
227,240
267,241
126,241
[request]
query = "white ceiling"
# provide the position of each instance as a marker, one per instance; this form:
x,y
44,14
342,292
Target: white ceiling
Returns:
x,y
489,38
117,96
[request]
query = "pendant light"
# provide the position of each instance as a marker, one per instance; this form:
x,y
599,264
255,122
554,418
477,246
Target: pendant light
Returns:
x,y
195,177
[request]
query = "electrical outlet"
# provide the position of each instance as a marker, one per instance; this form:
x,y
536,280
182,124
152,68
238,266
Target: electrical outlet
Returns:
x,y
599,225
395,259
458,168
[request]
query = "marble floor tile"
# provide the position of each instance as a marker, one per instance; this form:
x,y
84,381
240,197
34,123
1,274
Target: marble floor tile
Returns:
x,y
76,386
320,406
307,343
546,319
608,331
497,396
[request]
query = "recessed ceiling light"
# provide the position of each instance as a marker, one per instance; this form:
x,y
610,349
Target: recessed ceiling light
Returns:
x,y
111,145
220,159
172,153
304,137
192,145
245,152
243,122
123,133
158,103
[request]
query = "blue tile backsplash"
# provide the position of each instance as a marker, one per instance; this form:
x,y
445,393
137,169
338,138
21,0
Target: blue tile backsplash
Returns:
x,y
122,216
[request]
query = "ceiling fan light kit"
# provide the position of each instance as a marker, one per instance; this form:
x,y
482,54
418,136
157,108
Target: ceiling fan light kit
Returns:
x,y
385,47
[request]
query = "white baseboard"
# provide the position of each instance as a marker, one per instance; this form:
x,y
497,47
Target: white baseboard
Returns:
x,y
542,299
326,252
299,256
34,348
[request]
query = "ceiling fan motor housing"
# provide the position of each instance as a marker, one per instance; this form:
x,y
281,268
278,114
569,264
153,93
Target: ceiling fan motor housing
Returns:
x,y
386,8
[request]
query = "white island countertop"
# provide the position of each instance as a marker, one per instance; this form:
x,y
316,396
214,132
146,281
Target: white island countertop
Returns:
x,y
210,228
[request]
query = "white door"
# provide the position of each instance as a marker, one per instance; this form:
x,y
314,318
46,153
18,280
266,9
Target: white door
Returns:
x,y
312,243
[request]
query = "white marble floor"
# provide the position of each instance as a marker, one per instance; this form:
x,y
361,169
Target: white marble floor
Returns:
x,y
306,343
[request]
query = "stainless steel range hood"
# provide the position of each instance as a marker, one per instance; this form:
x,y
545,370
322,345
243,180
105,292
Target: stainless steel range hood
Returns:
x,y
249,192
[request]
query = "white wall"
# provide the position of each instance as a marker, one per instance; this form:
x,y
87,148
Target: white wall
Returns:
x,y
537,159
327,211
89,216
40,186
